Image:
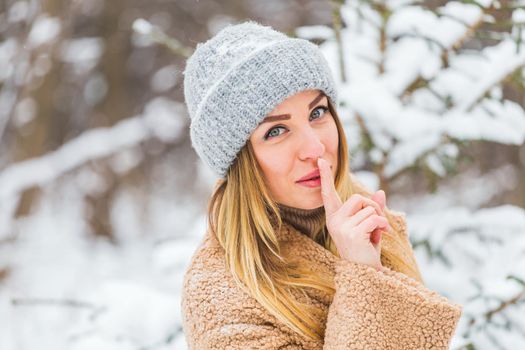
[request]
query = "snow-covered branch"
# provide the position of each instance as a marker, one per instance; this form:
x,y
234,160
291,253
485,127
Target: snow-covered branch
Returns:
x,y
162,118
143,27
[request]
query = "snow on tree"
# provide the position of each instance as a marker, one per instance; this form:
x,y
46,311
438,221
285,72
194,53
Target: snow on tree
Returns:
x,y
415,89
417,85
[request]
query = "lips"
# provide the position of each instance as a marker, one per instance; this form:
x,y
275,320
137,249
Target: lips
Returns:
x,y
312,175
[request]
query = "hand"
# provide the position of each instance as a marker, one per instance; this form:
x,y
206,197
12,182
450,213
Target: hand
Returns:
x,y
356,225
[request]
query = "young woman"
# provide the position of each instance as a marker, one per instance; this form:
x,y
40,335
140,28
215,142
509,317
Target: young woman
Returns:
x,y
298,254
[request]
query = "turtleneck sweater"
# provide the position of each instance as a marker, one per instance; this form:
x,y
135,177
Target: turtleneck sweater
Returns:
x,y
307,221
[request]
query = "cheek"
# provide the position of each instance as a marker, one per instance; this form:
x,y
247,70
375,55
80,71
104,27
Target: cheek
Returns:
x,y
332,138
275,165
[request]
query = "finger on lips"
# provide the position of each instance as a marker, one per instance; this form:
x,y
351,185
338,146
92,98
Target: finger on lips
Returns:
x,y
331,199
332,202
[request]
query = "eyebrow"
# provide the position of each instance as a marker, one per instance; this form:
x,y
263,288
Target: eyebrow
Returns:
x,y
274,118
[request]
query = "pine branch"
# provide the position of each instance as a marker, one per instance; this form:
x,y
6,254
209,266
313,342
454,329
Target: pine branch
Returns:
x,y
504,305
468,107
423,155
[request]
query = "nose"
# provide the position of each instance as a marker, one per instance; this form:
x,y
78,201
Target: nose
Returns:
x,y
311,145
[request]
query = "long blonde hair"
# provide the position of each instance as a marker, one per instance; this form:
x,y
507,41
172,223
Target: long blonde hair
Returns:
x,y
245,220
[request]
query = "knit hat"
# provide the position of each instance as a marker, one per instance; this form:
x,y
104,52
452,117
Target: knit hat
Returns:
x,y
233,80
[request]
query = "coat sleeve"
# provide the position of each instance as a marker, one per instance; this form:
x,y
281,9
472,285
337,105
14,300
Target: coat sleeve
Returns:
x,y
386,310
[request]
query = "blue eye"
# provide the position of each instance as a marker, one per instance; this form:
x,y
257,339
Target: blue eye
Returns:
x,y
313,116
323,108
271,133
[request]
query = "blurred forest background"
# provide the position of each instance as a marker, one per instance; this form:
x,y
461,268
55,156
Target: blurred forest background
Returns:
x,y
102,198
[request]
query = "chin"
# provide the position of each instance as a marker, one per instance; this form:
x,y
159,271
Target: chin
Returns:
x,y
311,203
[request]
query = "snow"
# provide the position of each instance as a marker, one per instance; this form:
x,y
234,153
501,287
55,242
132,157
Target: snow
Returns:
x,y
94,292
83,53
164,118
25,111
41,66
142,26
165,78
503,127
160,120
8,50
132,308
518,15
497,62
443,30
424,119
315,32
44,30
487,245
486,3
92,144
18,12
95,90
68,287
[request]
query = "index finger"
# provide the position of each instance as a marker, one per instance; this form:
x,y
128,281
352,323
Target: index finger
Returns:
x,y
331,199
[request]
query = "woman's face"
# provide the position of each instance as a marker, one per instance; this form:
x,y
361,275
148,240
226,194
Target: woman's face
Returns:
x,y
287,144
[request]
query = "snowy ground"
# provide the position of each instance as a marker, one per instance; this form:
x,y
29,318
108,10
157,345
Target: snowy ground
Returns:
x,y
67,290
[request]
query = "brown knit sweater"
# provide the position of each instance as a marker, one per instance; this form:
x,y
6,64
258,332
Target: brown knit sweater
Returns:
x,y
306,221
370,309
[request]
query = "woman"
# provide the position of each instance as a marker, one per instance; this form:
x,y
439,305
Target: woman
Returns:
x,y
297,255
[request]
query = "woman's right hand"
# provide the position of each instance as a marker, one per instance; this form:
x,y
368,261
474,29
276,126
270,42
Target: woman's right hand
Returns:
x,y
351,224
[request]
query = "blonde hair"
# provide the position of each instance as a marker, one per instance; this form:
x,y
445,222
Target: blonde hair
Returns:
x,y
245,220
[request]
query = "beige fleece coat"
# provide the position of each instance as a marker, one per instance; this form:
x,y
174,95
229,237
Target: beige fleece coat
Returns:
x,y
370,309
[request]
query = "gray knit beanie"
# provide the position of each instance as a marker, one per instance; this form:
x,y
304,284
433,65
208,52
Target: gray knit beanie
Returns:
x,y
233,80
